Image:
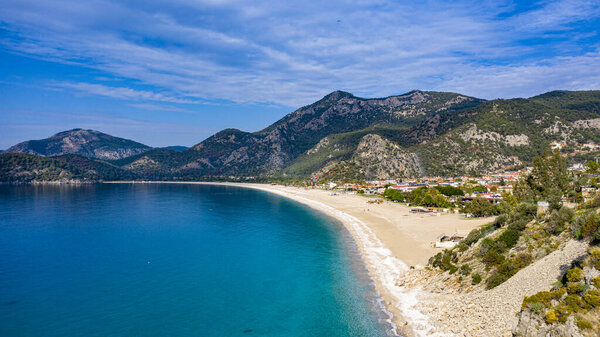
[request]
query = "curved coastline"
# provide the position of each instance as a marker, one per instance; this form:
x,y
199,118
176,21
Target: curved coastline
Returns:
x,y
384,269
388,238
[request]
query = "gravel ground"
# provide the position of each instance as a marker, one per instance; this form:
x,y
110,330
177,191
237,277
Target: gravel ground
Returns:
x,y
489,312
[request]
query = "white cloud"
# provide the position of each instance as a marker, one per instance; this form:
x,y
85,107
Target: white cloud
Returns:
x,y
119,92
292,53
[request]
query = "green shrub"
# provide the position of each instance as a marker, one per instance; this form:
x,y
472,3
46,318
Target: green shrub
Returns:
x,y
493,257
538,308
476,278
526,210
543,297
522,260
592,300
588,224
575,275
465,269
509,237
444,260
477,234
501,274
551,317
575,287
574,302
500,221
563,312
581,324
557,220
596,282
518,225
558,293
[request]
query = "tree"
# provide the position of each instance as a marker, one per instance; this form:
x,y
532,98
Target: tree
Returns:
x,y
547,181
593,167
480,207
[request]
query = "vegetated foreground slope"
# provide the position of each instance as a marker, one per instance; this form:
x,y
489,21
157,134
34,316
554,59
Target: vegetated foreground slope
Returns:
x,y
529,260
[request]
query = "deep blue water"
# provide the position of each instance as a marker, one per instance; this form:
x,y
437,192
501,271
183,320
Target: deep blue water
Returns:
x,y
175,260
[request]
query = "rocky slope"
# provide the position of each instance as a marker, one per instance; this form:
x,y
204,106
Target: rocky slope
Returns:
x,y
492,313
86,143
375,157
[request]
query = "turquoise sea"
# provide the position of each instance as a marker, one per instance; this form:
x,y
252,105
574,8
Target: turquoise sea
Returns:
x,y
176,260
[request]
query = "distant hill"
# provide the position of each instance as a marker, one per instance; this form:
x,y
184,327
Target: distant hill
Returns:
x,y
343,137
26,168
176,148
86,143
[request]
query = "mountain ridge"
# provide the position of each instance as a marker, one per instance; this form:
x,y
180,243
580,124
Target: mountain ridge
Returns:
x,y
413,134
87,143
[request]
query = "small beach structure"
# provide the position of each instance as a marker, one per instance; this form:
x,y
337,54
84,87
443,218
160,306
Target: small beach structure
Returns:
x,y
542,207
448,241
420,210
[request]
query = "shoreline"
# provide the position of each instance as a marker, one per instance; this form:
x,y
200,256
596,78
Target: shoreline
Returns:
x,y
388,238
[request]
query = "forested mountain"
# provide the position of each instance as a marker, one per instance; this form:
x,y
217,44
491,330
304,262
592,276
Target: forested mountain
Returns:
x,y
27,168
342,136
87,143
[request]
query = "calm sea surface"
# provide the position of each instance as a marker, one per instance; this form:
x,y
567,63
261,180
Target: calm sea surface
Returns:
x,y
176,260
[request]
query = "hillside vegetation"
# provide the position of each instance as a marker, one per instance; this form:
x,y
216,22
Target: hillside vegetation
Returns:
x,y
522,234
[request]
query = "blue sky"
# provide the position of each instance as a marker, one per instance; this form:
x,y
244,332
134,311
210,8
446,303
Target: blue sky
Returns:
x,y
174,72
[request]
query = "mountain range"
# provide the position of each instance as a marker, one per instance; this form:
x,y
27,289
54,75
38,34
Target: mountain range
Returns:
x,y
342,136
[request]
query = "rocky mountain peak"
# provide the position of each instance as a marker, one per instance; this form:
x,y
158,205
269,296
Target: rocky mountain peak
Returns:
x,y
87,143
337,95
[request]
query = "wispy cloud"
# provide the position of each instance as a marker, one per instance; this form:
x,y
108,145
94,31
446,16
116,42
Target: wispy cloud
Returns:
x,y
158,107
291,53
119,92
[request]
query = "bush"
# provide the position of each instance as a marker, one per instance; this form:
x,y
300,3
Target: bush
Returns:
x,y
575,287
557,220
590,226
501,274
444,260
477,234
581,324
526,210
543,297
592,300
538,308
596,282
476,278
493,257
500,221
558,293
480,207
518,225
509,238
522,260
465,269
575,275
551,317
574,302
